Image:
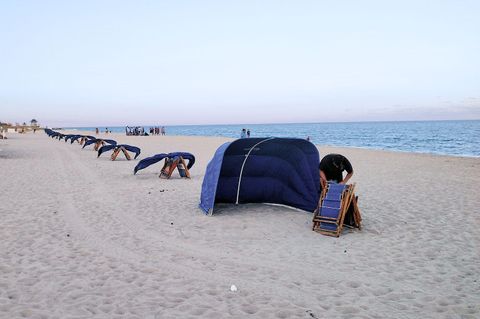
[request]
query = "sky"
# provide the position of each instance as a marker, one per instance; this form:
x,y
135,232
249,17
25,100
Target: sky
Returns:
x,y
115,63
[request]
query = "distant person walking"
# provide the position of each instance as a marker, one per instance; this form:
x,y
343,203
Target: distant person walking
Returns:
x,y
96,131
163,130
106,130
243,134
248,133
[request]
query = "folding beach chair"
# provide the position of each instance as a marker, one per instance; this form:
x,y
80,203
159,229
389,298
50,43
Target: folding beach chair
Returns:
x,y
117,148
83,139
174,160
171,164
117,151
337,207
98,144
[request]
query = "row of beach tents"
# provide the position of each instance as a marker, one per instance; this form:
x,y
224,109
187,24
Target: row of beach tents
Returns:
x,y
105,145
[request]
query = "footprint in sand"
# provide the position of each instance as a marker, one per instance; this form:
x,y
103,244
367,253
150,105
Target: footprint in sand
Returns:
x,y
354,284
284,314
249,309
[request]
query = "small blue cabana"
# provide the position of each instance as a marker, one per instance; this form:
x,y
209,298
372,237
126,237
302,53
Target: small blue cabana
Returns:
x,y
263,170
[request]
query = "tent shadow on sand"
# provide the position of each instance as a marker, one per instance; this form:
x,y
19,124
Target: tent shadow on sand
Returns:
x,y
253,209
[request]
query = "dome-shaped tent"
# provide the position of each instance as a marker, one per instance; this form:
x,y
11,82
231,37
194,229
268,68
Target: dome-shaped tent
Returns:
x,y
263,170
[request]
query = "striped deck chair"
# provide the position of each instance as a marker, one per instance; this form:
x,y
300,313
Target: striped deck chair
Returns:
x,y
338,206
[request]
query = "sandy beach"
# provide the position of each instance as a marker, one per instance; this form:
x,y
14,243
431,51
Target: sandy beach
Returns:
x,y
82,237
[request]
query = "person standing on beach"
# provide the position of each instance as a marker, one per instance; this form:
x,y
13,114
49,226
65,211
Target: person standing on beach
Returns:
x,y
96,131
331,169
248,133
163,130
243,134
106,130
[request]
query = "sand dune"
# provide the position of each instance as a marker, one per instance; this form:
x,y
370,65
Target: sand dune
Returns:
x,y
83,237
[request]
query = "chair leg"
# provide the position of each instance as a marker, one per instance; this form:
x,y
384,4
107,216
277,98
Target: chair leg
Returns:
x,y
164,170
316,223
98,145
168,168
127,156
182,168
115,153
346,202
173,166
356,213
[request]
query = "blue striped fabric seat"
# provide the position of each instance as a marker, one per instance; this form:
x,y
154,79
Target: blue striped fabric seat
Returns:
x,y
331,205
328,226
337,202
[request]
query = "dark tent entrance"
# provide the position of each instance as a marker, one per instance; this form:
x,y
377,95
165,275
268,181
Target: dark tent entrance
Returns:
x,y
263,170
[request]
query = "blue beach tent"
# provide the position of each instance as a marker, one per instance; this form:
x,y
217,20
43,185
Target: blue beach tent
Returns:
x,y
263,170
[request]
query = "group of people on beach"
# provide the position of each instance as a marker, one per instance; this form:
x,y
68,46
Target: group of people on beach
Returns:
x,y
140,131
97,131
245,133
135,131
157,130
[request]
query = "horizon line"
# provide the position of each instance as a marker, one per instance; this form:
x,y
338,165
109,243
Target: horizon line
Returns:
x,y
280,123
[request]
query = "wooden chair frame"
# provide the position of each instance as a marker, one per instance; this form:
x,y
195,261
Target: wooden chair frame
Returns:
x,y
170,165
117,151
348,202
98,144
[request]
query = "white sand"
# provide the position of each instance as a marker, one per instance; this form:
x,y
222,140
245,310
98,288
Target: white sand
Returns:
x,y
82,237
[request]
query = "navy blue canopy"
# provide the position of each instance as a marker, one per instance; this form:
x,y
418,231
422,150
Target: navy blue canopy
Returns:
x,y
130,148
263,170
95,140
75,138
146,162
69,136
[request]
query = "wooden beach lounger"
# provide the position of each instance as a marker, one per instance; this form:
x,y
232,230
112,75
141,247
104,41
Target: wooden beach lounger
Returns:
x,y
338,206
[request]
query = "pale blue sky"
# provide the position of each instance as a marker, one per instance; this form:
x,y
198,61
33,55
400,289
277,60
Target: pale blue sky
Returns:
x,y
89,63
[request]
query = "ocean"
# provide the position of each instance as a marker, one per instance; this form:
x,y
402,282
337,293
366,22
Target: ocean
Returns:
x,y
456,138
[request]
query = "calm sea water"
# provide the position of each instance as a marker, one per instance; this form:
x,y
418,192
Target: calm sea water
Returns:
x,y
458,138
